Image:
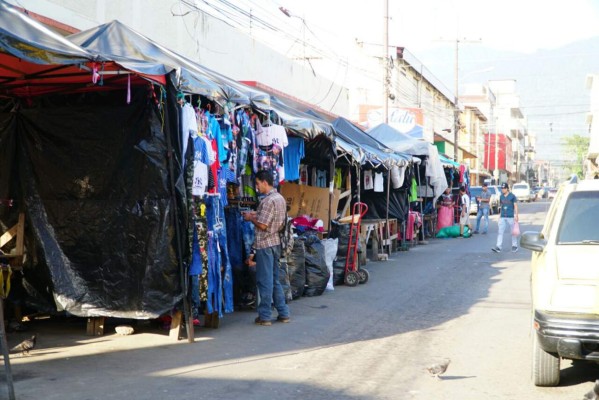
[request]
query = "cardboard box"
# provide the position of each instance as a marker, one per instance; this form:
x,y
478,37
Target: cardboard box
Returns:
x,y
311,201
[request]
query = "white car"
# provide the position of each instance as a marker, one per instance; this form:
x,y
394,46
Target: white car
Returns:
x,y
522,191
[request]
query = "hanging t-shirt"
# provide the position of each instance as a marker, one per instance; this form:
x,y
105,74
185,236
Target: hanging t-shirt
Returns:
x,y
200,178
223,138
294,152
368,181
303,175
338,178
397,176
268,158
201,160
378,182
275,135
321,178
214,167
189,127
413,191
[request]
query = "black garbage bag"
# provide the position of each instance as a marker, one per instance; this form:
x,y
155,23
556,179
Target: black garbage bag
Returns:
x,y
296,269
317,273
341,232
284,279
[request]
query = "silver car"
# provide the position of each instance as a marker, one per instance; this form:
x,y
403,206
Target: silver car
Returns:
x,y
522,191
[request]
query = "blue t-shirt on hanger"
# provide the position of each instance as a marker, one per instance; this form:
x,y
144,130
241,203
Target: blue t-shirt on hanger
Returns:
x,y
294,153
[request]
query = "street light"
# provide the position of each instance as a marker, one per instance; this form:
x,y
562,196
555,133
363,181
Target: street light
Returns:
x,y
289,14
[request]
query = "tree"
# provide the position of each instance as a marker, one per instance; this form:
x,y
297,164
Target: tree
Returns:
x,y
577,147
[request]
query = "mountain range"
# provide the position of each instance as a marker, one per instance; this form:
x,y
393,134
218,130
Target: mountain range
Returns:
x,y
551,84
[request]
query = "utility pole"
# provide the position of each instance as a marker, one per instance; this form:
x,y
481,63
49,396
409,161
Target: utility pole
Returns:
x,y
456,110
456,113
386,78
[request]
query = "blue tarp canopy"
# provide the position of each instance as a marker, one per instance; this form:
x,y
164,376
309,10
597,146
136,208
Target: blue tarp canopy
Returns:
x,y
447,161
399,141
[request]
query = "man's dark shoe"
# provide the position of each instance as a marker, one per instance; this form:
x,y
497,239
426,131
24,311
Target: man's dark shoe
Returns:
x,y
261,322
496,249
283,319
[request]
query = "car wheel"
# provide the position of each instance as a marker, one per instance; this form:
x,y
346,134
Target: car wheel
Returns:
x,y
545,366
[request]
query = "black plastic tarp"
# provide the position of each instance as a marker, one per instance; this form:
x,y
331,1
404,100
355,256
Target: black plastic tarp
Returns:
x,y
377,204
94,180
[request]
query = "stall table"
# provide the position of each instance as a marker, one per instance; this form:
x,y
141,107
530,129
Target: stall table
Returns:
x,y
375,231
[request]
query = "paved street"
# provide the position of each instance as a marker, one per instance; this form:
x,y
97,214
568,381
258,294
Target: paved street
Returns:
x,y
452,298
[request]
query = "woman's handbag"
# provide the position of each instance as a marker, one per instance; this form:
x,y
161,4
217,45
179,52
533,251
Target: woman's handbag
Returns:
x,y
516,229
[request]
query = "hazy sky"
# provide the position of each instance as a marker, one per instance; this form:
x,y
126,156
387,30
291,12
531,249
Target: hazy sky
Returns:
x,y
520,25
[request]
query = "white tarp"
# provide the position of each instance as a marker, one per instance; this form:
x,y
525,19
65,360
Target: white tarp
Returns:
x,y
403,143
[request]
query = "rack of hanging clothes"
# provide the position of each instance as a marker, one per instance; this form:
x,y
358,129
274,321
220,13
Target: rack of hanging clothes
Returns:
x,y
208,164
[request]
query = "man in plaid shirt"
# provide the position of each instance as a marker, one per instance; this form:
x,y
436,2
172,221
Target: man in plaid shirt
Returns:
x,y
268,219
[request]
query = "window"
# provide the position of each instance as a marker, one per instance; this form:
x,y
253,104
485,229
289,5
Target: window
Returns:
x,y
520,186
580,220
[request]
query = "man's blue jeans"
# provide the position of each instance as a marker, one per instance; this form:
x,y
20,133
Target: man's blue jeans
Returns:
x,y
269,286
482,212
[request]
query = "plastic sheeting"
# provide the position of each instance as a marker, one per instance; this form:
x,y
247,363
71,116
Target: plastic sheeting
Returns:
x,y
24,37
340,232
377,203
128,47
296,268
95,178
317,273
376,152
330,253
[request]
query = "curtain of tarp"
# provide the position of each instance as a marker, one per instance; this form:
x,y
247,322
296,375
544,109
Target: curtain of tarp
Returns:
x,y
95,180
7,154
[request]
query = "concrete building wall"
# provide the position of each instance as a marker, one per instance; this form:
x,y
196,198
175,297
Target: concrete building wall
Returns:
x,y
510,121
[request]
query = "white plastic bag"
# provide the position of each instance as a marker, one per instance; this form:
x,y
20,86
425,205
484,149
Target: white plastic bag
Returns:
x,y
330,252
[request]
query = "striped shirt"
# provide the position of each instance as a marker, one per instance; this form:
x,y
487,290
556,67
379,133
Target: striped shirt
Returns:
x,y
271,212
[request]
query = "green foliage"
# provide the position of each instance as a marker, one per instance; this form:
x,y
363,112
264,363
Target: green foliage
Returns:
x,y
576,148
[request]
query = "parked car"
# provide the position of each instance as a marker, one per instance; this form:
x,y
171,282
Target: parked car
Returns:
x,y
551,193
522,191
476,191
543,193
565,281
